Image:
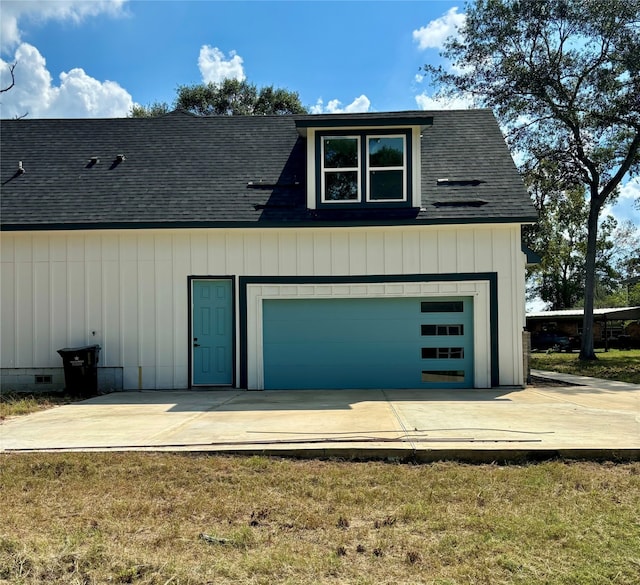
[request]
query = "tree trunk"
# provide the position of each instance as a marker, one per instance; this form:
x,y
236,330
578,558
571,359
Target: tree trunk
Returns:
x,y
586,345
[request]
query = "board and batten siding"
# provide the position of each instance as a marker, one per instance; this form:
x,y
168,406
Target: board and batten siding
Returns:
x,y
127,290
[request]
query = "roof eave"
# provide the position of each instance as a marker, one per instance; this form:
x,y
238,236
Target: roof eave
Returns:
x,y
39,227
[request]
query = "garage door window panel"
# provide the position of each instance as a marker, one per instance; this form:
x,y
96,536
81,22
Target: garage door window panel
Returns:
x,y
441,330
442,307
442,353
443,376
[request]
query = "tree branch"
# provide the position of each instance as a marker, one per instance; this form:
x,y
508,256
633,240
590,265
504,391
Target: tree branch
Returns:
x,y
623,169
13,78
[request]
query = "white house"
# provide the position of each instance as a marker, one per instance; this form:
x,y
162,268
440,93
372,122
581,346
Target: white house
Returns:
x,y
378,250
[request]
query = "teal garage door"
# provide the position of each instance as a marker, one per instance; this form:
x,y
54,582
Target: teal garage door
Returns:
x,y
368,343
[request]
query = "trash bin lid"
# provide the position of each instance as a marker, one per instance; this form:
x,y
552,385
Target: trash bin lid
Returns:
x,y
76,349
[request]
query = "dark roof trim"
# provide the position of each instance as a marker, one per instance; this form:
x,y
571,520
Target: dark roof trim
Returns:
x,y
532,257
379,121
255,224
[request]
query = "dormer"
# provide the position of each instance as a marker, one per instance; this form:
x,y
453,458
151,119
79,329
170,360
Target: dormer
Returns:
x,y
363,161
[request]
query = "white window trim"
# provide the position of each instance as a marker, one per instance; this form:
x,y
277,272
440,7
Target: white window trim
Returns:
x,y
324,170
402,168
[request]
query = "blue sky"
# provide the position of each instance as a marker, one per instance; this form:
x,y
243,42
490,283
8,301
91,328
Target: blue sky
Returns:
x,y
79,58
365,55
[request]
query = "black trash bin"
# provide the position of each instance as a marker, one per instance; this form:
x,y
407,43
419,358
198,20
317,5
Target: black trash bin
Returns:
x,y
81,370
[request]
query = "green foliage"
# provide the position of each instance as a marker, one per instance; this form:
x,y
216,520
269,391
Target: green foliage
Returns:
x,y
563,77
628,243
153,110
627,295
560,240
560,237
18,403
633,295
626,263
232,97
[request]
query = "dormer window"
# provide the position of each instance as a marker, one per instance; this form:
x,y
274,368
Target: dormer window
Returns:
x,y
341,168
364,167
387,168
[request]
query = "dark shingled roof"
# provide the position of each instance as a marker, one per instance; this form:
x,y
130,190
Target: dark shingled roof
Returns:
x,y
183,170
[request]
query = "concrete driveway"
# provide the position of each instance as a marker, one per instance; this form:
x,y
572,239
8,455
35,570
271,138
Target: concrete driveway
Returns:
x,y
593,419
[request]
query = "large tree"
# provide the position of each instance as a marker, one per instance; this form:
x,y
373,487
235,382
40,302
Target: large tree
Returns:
x,y
560,238
563,77
230,97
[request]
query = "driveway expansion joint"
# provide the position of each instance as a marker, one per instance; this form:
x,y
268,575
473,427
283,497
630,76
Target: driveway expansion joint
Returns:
x,y
396,414
498,424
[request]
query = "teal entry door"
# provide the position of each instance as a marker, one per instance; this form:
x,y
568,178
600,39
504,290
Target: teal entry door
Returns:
x,y
212,332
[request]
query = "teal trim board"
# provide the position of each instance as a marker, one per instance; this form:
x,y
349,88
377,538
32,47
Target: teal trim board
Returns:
x,y
368,343
212,332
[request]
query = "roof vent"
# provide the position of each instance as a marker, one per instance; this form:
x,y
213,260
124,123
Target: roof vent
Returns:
x,y
262,184
120,157
20,170
460,203
459,182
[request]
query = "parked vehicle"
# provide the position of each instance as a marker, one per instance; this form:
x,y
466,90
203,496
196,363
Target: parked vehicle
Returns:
x,y
548,340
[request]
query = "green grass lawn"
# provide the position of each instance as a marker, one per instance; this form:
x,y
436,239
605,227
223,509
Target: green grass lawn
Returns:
x,y
170,519
615,364
18,403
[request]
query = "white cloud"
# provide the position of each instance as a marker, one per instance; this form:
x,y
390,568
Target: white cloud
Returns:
x,y
626,207
317,109
360,104
77,96
13,11
631,190
427,102
437,31
214,68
